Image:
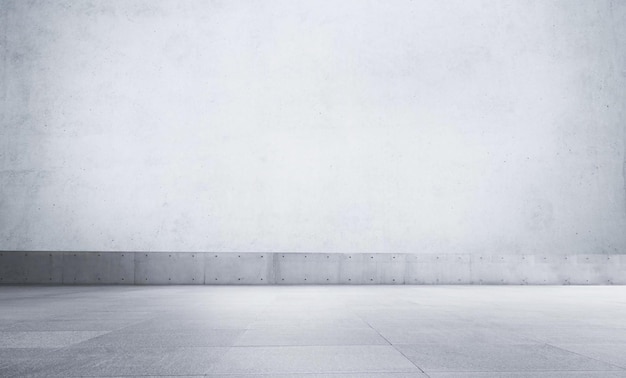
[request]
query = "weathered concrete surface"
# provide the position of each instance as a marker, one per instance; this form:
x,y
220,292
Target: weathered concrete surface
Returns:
x,y
238,268
169,268
454,126
99,267
31,267
165,268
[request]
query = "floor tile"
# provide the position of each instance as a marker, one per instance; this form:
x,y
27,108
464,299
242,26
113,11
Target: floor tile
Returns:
x,y
491,357
199,338
441,335
88,362
45,339
534,374
70,325
308,336
612,353
313,359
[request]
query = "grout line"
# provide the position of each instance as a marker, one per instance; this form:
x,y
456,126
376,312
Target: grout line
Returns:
x,y
394,347
582,355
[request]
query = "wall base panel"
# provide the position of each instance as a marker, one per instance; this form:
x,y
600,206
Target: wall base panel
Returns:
x,y
192,268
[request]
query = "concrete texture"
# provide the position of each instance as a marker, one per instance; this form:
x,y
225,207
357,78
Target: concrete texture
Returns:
x,y
314,331
436,127
169,268
191,268
98,267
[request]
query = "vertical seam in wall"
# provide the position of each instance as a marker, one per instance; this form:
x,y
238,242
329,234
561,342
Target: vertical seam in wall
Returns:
x,y
204,266
275,269
62,267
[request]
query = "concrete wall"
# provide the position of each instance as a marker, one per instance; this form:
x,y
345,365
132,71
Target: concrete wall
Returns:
x,y
435,127
189,268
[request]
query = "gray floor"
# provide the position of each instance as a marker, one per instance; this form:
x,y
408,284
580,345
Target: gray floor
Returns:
x,y
314,331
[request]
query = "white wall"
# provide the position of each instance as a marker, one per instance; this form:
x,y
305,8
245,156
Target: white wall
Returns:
x,y
281,125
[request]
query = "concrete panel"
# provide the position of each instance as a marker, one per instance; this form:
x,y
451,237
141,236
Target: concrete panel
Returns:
x,y
596,269
31,267
307,268
357,268
550,269
169,268
238,268
500,269
438,269
98,268
616,269
390,268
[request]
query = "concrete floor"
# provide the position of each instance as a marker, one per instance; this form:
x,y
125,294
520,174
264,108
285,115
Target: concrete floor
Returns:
x,y
314,331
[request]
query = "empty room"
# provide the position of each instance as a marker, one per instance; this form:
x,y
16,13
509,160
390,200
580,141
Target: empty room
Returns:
x,y
313,188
